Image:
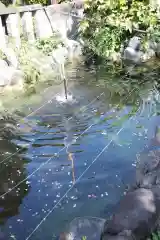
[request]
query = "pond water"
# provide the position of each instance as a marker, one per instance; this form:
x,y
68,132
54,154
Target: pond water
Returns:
x,y
75,158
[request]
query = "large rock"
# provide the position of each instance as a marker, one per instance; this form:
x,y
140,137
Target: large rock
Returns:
x,y
137,212
135,43
89,227
17,79
148,163
132,55
2,6
65,19
155,46
41,19
60,55
150,53
6,74
74,48
155,3
13,28
10,56
10,76
3,64
132,52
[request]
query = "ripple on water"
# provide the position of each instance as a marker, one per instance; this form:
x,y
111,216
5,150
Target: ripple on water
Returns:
x,y
62,141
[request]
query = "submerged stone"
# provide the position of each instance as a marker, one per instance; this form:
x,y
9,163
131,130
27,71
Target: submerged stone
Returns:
x,y
138,211
135,43
85,227
131,54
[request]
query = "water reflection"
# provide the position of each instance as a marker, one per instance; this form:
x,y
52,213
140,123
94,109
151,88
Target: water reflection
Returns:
x,y
12,171
69,140
78,130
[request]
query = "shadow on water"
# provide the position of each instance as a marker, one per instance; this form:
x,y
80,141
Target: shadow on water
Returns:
x,y
86,146
12,171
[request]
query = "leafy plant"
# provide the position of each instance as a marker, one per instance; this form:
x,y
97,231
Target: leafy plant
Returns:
x,y
6,2
109,23
43,2
2,55
155,236
47,45
84,238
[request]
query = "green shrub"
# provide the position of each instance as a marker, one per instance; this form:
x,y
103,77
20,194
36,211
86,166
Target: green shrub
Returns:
x,y
43,2
6,2
155,236
108,23
47,45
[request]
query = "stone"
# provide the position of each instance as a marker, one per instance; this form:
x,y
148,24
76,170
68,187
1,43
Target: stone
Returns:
x,y
17,79
148,55
148,180
125,235
132,51
90,227
116,57
3,63
132,55
135,43
58,21
6,74
41,19
154,3
78,4
155,47
11,57
61,19
2,6
2,35
138,211
13,28
148,162
60,55
74,48
27,26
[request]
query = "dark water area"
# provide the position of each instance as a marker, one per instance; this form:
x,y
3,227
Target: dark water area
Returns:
x,y
76,158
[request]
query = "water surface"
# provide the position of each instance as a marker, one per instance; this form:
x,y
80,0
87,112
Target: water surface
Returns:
x,y
76,158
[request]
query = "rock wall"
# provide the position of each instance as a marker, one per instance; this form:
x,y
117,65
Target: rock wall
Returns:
x,y
137,214
36,22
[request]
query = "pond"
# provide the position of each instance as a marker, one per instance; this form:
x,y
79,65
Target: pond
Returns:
x,y
75,158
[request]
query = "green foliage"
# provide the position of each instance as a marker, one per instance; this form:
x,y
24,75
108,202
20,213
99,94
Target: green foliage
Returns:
x,y
108,23
5,2
43,2
155,236
2,55
47,45
31,73
84,238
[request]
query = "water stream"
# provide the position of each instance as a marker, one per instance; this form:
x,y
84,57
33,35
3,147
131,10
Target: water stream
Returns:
x,y
74,158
